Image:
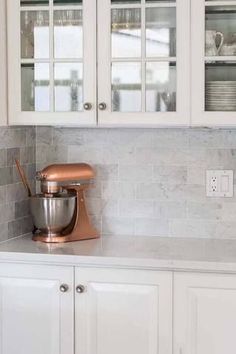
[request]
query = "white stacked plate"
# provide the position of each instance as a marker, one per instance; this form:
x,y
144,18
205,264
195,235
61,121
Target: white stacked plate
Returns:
x,y
221,96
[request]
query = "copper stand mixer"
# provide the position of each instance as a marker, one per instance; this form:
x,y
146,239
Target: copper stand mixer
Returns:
x,y
60,213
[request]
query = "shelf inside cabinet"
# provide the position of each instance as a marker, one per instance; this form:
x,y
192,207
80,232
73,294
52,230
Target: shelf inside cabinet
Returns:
x,y
213,63
220,12
34,2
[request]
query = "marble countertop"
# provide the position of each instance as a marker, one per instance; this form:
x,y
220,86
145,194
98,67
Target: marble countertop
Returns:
x,y
129,252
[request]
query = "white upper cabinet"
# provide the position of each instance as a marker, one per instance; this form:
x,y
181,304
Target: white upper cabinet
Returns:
x,y
52,62
143,62
143,49
213,63
3,67
148,73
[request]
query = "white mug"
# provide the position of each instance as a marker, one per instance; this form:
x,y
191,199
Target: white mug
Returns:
x,y
210,47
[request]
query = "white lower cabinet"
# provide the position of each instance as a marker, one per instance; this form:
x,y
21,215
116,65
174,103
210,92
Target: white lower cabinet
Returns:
x,y
123,312
35,316
92,310
205,314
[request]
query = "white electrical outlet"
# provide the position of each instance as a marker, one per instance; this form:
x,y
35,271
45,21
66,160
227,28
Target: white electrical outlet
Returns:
x,y
220,183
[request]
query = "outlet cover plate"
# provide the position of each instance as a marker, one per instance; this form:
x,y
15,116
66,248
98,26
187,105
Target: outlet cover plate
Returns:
x,y
220,183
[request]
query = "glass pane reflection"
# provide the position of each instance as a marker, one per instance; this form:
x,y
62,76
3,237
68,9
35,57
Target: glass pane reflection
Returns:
x,y
35,34
126,33
35,87
161,87
68,34
126,87
161,32
68,87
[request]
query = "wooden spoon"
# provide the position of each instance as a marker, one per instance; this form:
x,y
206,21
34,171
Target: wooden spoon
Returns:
x,y
23,178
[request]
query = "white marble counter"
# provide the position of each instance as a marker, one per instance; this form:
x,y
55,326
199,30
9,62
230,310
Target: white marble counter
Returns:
x,y
128,252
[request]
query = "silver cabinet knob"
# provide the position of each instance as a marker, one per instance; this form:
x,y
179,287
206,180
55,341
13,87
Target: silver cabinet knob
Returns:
x,y
80,289
64,288
87,106
102,106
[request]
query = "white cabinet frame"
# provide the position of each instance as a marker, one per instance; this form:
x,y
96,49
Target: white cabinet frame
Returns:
x,y
3,65
83,118
199,116
179,118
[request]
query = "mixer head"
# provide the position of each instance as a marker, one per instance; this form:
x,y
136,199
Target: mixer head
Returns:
x,y
54,177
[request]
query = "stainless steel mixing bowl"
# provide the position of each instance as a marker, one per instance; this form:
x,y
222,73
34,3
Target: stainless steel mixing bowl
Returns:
x,y
52,215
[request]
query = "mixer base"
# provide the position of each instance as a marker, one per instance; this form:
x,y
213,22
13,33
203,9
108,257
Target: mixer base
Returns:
x,y
63,239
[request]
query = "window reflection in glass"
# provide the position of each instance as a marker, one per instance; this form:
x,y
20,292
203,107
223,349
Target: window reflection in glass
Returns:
x,y
160,87
35,34
68,34
161,32
126,33
68,87
126,87
35,87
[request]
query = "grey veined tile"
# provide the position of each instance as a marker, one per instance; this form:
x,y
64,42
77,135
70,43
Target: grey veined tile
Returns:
x,y
12,155
15,192
63,136
6,175
151,227
193,228
170,174
117,226
136,208
134,172
3,157
44,135
12,137
207,210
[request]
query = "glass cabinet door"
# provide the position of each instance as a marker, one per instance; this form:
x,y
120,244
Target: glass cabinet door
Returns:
x,y
143,61
214,62
53,68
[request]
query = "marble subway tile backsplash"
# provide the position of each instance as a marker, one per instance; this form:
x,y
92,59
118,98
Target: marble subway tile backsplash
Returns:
x,y
15,143
149,181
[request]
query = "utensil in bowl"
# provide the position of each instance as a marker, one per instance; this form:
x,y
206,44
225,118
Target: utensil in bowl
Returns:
x,y
23,178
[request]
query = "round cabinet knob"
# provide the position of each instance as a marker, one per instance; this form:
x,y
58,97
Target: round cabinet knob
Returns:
x,y
102,106
80,289
87,106
64,288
